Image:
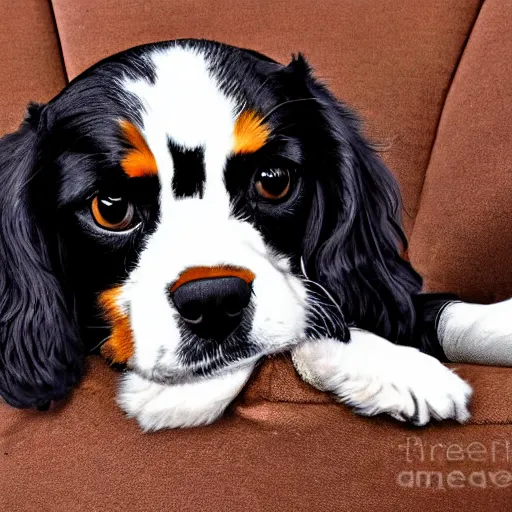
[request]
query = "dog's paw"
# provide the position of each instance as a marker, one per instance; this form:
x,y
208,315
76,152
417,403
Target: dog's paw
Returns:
x,y
374,376
477,333
156,406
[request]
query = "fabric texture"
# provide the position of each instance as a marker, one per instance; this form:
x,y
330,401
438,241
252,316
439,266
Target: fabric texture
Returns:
x,y
30,59
392,60
462,241
266,455
283,445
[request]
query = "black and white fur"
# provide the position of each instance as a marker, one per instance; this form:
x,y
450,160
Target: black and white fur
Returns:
x,y
331,285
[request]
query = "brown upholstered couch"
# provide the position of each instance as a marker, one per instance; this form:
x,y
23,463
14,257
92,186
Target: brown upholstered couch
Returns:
x,y
433,80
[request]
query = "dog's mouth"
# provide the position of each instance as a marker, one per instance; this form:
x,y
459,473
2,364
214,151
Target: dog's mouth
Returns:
x,y
205,357
198,357
246,353
206,354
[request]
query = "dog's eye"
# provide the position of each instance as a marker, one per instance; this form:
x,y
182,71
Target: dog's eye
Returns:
x,y
273,184
112,212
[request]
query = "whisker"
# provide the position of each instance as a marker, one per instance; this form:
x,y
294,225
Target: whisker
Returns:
x,y
288,103
314,330
325,316
319,313
303,268
282,129
99,344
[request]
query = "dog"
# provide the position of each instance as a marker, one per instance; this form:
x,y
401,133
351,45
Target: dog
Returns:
x,y
203,206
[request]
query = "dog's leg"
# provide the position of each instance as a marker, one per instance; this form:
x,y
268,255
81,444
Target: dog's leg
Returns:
x,y
375,376
200,402
475,333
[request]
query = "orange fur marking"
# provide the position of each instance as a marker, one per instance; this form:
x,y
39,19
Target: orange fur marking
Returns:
x,y
250,133
138,161
119,347
194,273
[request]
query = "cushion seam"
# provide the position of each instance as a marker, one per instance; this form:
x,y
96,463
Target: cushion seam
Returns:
x,y
441,111
479,423
59,41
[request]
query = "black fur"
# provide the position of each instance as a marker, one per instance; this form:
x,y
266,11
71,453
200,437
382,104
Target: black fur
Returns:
x,y
344,219
189,177
41,354
237,346
341,220
354,241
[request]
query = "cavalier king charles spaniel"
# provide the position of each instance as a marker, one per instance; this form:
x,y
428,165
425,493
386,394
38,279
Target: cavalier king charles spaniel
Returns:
x,y
198,207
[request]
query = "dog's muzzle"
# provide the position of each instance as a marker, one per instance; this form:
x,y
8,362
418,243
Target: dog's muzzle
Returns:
x,y
211,300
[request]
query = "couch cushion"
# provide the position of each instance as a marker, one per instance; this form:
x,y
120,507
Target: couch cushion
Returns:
x,y
30,59
463,238
266,455
392,60
277,381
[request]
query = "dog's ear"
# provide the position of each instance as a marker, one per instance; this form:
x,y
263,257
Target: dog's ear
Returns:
x,y
354,240
41,356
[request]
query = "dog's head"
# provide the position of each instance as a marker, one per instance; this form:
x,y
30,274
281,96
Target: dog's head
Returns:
x,y
211,204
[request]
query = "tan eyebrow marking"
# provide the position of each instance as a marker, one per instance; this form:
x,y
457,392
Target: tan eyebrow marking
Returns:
x,y
138,161
250,132
119,348
194,273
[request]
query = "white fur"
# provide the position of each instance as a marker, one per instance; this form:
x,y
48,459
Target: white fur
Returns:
x,y
375,376
475,333
279,298
156,406
186,104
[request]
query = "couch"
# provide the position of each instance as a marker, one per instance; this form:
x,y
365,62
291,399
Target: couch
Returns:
x,y
433,83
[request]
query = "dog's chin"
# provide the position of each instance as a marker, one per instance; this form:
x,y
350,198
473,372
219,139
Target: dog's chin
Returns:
x,y
227,356
169,377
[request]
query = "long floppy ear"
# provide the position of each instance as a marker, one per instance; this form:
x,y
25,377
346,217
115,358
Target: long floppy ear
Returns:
x,y
40,353
354,241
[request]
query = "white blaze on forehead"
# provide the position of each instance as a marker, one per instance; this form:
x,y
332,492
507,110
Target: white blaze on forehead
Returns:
x,y
186,104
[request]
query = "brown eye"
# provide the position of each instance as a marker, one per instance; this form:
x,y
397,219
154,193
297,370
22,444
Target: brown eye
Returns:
x,y
273,183
112,212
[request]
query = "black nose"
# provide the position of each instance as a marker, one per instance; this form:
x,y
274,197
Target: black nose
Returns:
x,y
212,308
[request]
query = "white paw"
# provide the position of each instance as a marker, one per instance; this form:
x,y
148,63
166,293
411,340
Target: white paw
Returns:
x,y
476,333
157,406
374,376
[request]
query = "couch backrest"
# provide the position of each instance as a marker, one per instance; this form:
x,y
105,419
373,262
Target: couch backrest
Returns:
x,y
431,80
462,239
30,60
